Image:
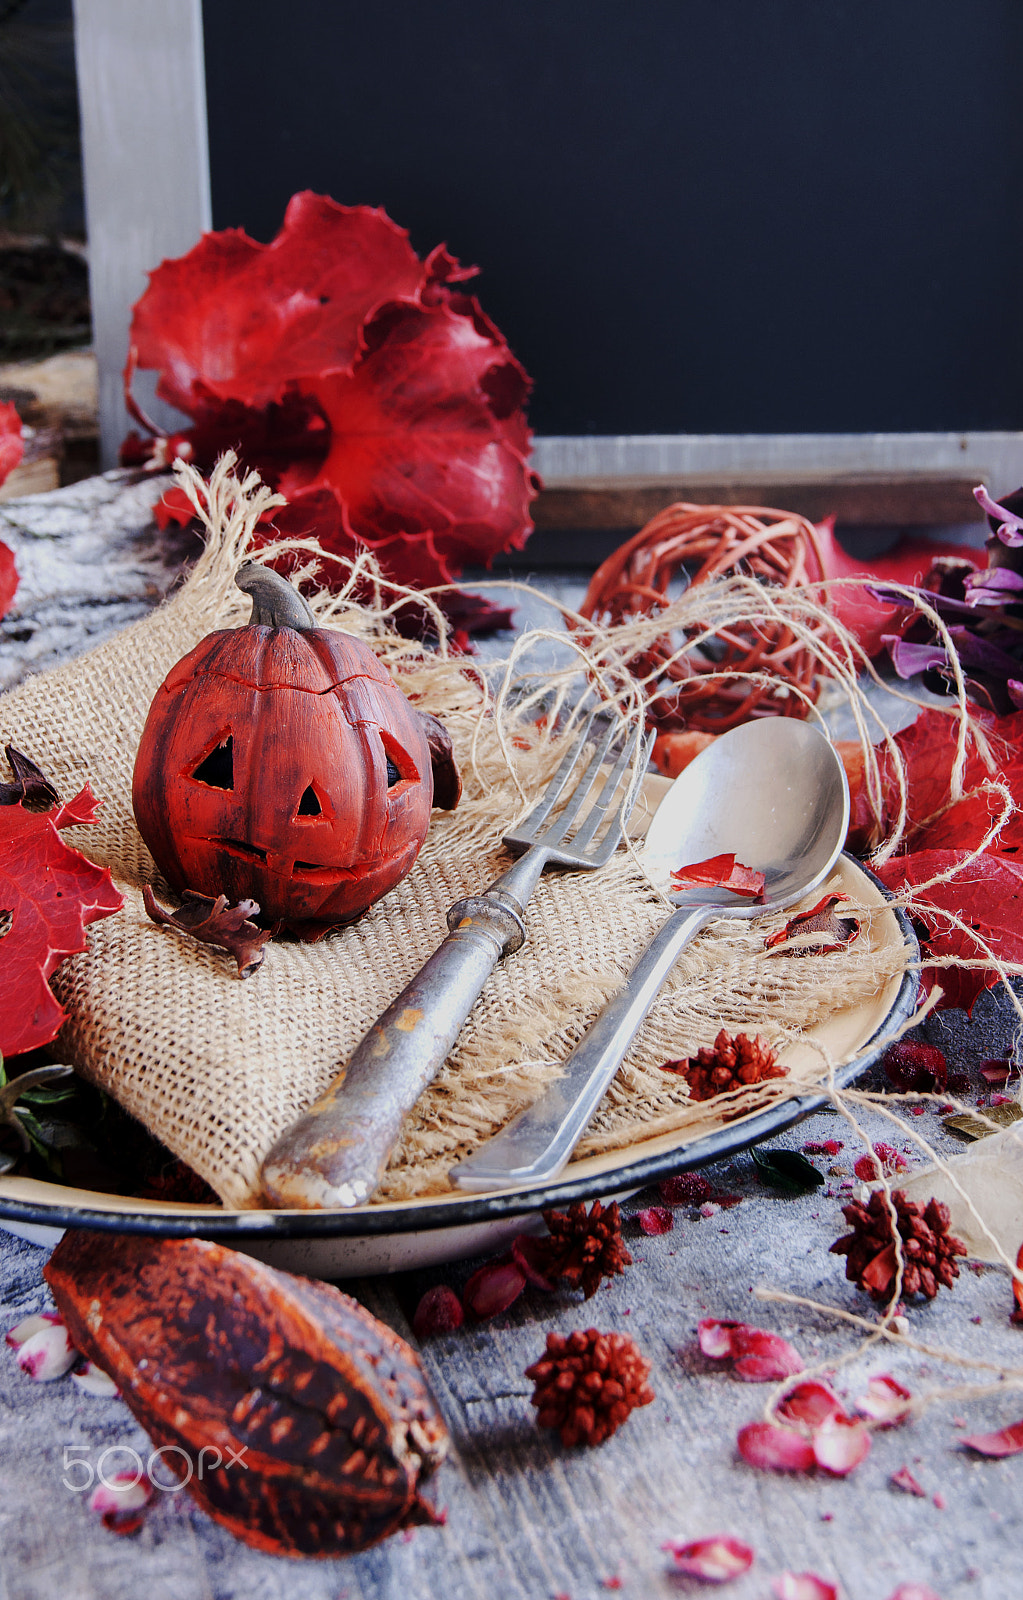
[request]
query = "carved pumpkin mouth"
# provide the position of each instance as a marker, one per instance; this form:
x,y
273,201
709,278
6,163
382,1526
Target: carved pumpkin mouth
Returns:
x,y
309,871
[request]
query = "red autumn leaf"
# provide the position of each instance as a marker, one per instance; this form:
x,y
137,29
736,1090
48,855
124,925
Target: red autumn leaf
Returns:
x,y
909,563
928,749
987,895
8,578
1006,1442
719,872
358,380
51,892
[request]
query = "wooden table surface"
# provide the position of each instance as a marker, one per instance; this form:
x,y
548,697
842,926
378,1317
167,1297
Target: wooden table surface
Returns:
x,y
527,1519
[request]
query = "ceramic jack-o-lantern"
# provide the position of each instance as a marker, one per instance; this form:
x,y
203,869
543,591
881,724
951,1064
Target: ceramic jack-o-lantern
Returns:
x,y
280,762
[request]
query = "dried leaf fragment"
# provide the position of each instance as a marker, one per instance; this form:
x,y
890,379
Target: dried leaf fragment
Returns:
x,y
215,922
720,872
31,786
820,931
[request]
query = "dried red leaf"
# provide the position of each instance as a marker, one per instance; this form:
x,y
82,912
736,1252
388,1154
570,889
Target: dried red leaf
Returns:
x,y
31,786
987,896
809,1404
765,1444
51,893
904,1480
886,1401
720,872
11,450
714,1560
361,382
802,1586
911,1066
8,579
1006,1442
215,922
439,1311
830,932
656,1219
493,1288
840,1444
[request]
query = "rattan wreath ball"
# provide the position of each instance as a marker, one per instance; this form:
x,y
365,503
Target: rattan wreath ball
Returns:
x,y
686,545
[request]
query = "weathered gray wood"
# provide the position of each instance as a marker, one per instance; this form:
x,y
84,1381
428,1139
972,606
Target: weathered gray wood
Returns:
x,y
142,93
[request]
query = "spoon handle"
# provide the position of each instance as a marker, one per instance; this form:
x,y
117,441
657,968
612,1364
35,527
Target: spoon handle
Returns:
x,y
536,1144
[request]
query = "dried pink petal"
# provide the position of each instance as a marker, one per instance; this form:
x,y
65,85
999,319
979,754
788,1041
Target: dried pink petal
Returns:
x,y
47,1354
1007,1442
715,1560
763,1357
24,1329
764,1444
122,1500
716,1337
885,1402
656,1219
439,1311
914,1591
686,1189
493,1288
885,1158
528,1250
822,1147
995,1071
802,1586
93,1380
811,1403
840,1444
904,1480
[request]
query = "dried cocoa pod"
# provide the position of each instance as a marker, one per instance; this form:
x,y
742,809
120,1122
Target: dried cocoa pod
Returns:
x,y
308,1423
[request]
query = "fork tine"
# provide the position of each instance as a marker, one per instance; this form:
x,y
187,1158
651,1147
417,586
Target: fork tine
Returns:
x,y
558,829
600,806
557,785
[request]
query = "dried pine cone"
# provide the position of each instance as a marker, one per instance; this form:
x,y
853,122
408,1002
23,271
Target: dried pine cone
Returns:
x,y
587,1383
582,1248
732,1063
928,1247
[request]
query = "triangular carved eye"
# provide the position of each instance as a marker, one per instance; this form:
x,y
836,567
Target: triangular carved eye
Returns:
x,y
217,769
309,805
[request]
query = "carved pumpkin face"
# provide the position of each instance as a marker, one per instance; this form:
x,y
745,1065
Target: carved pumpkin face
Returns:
x,y
283,764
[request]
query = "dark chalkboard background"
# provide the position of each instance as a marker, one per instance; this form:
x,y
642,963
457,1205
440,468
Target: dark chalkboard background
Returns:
x,y
690,215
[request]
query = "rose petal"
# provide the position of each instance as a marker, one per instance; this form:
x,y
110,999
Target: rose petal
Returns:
x,y
47,1354
493,1288
1007,1442
839,1445
24,1329
904,1479
885,1401
763,1357
121,1501
439,1311
93,1380
715,1560
811,1403
656,1219
914,1591
802,1586
764,1444
716,1337
527,1252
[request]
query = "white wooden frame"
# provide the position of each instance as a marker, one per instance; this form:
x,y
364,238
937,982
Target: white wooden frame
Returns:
x,y
141,84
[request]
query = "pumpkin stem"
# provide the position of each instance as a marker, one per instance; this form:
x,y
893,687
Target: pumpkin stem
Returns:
x,y
275,604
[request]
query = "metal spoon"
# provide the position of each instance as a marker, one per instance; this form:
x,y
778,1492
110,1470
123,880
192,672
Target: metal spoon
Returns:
x,y
774,793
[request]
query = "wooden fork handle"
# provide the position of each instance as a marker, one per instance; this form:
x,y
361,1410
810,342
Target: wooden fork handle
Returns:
x,y
335,1153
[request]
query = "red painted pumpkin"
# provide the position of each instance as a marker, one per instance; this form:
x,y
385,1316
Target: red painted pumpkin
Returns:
x,y
281,762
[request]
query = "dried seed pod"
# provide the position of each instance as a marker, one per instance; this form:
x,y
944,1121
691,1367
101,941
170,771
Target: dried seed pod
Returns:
x,y
310,1420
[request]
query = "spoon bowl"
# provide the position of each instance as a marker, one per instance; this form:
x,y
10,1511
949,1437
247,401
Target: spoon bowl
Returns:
x,y
774,794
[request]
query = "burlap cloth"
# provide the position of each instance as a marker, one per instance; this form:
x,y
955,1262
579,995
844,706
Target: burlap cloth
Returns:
x,y
216,1067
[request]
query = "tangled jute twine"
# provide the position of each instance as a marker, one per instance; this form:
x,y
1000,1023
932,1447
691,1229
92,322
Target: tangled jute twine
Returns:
x,y
217,1067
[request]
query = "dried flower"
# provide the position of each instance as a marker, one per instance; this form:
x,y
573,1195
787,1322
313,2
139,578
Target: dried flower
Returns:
x,y
821,931
732,1063
888,1160
439,1311
583,1248
586,1384
929,1250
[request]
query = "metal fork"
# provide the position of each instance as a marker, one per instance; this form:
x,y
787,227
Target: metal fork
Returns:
x,y
335,1153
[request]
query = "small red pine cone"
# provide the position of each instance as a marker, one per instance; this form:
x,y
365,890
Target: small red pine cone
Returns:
x,y
587,1383
583,1248
731,1063
927,1246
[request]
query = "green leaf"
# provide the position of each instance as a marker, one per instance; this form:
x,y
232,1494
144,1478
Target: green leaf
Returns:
x,y
788,1170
